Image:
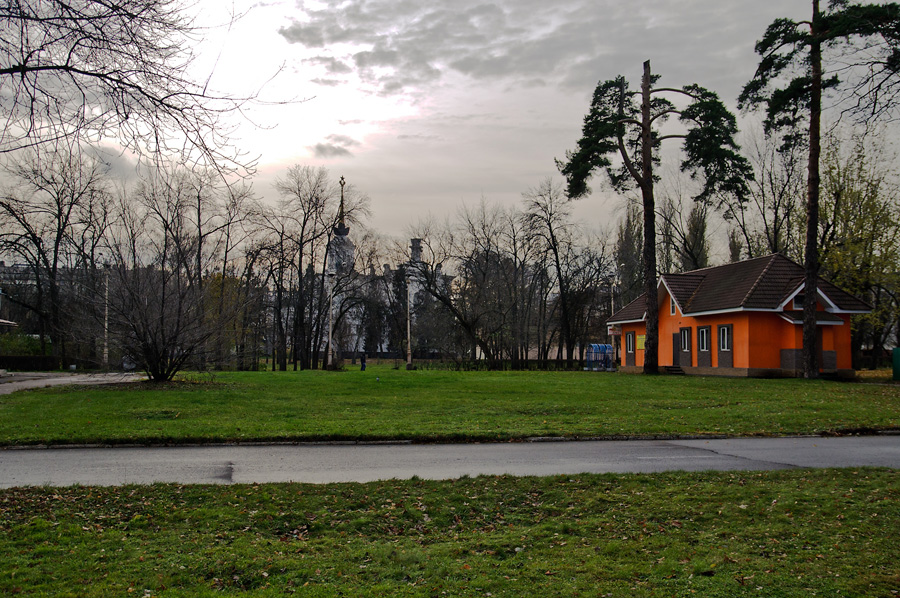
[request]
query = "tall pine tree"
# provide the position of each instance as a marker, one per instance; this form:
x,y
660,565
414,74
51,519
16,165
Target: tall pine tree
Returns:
x,y
620,128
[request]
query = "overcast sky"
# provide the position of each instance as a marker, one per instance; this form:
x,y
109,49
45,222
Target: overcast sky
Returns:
x,y
427,105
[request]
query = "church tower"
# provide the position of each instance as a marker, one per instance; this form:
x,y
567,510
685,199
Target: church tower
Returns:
x,y
342,249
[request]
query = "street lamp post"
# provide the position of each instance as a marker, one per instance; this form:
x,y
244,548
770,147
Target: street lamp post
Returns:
x,y
105,263
106,318
330,353
408,322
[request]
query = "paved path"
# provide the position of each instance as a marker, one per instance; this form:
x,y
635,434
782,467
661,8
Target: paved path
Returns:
x,y
362,463
12,382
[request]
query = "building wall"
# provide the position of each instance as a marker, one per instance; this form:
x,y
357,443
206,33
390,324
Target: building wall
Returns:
x,y
757,341
841,336
770,334
670,325
634,358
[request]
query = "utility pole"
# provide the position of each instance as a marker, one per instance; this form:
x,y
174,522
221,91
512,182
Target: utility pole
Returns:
x,y
106,317
408,322
330,353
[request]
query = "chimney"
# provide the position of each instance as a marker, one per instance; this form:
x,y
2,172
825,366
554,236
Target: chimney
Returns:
x,y
415,250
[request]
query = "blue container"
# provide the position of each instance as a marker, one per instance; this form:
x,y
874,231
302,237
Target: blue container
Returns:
x,y
598,357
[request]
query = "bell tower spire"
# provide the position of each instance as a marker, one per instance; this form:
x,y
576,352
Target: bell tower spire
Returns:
x,y
341,227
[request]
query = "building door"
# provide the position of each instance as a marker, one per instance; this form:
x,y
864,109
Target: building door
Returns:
x,y
676,348
629,349
686,359
725,345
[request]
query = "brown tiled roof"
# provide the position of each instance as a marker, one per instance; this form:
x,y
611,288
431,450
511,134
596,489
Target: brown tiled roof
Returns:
x,y
760,283
631,312
683,287
843,299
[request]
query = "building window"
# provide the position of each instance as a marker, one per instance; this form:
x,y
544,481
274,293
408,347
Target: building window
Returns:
x,y
685,339
724,338
629,342
798,301
703,339
672,309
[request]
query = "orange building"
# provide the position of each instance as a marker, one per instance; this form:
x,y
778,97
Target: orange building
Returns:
x,y
741,319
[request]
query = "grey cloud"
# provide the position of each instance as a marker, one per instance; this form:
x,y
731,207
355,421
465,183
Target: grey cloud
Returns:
x,y
419,137
329,150
336,147
332,65
120,165
410,44
377,58
404,46
310,36
326,82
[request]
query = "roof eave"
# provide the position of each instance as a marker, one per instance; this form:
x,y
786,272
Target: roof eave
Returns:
x,y
620,322
819,322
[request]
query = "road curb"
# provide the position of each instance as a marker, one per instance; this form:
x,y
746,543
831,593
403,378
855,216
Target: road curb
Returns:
x,y
401,442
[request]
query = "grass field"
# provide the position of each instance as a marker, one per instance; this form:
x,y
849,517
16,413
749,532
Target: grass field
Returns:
x,y
776,534
388,404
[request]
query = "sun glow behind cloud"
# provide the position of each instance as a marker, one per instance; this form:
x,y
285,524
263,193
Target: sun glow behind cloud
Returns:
x,y
310,109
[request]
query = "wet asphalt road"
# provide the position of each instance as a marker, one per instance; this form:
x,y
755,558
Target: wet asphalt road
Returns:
x,y
367,462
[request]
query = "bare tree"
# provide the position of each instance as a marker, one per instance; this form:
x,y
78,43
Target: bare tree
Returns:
x,y
523,277
628,256
683,240
89,70
547,213
458,267
166,242
235,229
769,218
514,280
53,220
307,194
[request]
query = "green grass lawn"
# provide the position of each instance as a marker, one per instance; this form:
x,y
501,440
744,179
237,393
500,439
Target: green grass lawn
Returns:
x,y
776,534
388,404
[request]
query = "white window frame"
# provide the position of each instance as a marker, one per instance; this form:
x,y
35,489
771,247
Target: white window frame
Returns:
x,y
685,340
672,309
724,338
703,339
798,301
629,342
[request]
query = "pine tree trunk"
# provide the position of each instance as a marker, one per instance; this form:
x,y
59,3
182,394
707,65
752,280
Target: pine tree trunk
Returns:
x,y
811,254
651,361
